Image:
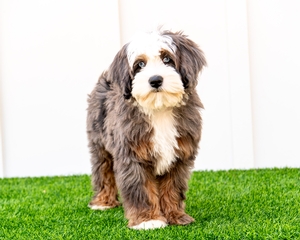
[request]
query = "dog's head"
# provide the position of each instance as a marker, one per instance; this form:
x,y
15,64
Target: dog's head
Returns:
x,y
158,69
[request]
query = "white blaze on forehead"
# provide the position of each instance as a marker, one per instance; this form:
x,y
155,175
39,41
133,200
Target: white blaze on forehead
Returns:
x,y
149,44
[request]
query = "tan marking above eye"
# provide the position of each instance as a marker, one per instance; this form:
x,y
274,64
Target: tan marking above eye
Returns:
x,y
166,57
140,61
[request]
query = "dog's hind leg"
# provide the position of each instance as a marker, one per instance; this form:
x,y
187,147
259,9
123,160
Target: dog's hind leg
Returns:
x,y
103,180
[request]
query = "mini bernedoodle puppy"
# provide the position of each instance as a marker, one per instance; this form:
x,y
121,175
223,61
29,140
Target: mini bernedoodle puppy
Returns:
x,y
144,126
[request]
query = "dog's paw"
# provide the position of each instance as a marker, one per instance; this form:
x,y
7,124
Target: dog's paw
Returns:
x,y
99,207
151,224
182,219
96,204
185,219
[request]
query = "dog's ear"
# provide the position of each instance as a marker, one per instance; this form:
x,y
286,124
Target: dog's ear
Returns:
x,y
119,72
190,59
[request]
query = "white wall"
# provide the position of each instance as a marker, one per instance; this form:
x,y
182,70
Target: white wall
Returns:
x,y
52,52
274,37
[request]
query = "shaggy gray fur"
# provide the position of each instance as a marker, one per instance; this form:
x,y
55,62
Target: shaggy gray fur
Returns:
x,y
116,128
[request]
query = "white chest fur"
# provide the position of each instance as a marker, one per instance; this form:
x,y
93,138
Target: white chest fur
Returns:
x,y
164,140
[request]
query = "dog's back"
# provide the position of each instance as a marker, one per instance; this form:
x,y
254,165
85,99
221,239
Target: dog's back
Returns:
x,y
96,112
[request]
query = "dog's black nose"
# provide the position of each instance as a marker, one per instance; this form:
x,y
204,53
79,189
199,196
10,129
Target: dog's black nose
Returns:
x,y
156,81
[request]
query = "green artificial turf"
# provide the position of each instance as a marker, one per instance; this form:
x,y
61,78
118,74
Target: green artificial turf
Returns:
x,y
253,204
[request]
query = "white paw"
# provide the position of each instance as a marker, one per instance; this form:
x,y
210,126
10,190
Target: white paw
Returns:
x,y
99,207
151,224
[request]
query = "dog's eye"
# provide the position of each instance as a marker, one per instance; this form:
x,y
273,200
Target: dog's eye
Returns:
x,y
166,59
141,64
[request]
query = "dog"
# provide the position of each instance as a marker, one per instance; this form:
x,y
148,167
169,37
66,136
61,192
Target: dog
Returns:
x,y
144,127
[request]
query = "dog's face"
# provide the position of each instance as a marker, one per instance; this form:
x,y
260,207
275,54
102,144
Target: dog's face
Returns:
x,y
160,69
156,83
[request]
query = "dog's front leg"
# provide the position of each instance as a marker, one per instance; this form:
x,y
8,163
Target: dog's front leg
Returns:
x,y
138,188
172,188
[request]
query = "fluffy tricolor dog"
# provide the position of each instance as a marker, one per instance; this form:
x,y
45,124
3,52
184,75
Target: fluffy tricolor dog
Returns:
x,y
144,127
